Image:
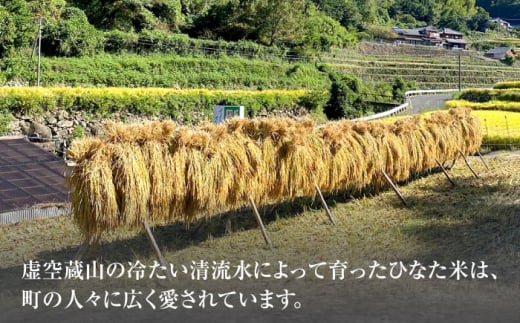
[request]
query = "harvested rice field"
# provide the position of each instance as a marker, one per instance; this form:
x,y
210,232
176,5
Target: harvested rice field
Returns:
x,y
478,220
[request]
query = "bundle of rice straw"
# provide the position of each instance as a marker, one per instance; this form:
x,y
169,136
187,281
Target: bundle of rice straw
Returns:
x,y
163,173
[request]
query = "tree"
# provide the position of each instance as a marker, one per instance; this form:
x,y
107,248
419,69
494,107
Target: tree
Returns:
x,y
321,32
374,12
501,8
133,15
280,21
167,12
232,20
71,35
335,9
196,7
479,21
510,60
419,10
47,9
23,20
452,19
7,32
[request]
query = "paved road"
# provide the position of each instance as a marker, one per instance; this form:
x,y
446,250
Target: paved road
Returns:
x,y
427,102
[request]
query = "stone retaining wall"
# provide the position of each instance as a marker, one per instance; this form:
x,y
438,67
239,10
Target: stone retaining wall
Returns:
x,y
62,125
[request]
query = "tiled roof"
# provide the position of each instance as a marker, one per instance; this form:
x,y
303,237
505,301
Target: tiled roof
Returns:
x,y
451,31
498,50
410,32
29,176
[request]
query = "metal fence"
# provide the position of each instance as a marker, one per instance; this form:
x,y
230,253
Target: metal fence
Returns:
x,y
33,213
408,104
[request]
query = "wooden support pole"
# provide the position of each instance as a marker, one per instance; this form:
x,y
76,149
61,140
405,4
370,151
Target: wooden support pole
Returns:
x,y
325,206
155,247
467,164
260,223
482,159
82,250
445,173
396,190
229,226
453,163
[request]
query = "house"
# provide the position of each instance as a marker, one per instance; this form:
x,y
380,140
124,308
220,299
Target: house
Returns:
x,y
447,33
426,36
455,43
431,36
504,24
453,39
500,53
32,182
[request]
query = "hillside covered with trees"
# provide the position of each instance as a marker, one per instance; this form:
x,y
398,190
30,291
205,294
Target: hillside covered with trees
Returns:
x,y
306,27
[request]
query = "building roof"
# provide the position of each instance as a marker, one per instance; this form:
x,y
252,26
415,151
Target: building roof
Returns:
x,y
509,23
452,32
498,50
499,20
410,32
429,28
29,176
422,30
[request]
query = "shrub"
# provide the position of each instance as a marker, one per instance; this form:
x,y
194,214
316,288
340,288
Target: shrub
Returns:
x,y
399,88
507,85
78,132
7,32
345,97
314,101
159,70
484,95
381,32
475,96
5,119
509,60
152,41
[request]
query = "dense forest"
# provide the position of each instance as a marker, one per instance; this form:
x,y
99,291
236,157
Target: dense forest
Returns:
x,y
80,27
502,8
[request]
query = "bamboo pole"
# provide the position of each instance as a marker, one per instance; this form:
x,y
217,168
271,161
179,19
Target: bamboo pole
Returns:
x,y
325,206
445,173
82,249
394,187
260,223
467,164
482,159
155,247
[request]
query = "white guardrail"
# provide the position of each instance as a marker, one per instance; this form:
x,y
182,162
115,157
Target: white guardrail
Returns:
x,y
405,105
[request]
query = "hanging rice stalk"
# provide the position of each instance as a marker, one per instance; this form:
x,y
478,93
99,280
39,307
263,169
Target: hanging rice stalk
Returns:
x,y
163,173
